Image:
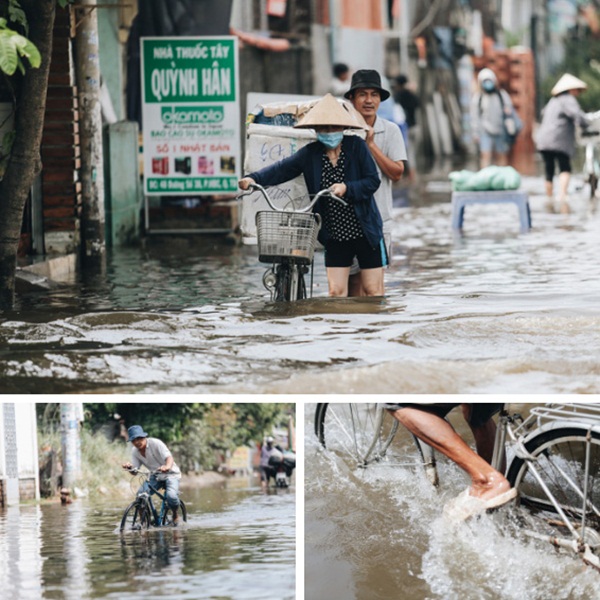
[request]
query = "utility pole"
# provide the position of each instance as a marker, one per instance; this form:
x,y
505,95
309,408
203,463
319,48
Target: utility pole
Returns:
x,y
404,24
87,73
71,413
333,27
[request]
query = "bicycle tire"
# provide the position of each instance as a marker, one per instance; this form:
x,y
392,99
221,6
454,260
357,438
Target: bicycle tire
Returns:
x,y
593,185
168,518
138,516
559,455
301,287
282,283
362,432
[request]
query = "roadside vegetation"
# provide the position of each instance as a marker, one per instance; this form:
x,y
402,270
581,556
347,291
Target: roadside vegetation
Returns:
x,y
200,436
582,59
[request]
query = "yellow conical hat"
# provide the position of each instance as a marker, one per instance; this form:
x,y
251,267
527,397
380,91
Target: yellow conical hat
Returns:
x,y
568,82
329,111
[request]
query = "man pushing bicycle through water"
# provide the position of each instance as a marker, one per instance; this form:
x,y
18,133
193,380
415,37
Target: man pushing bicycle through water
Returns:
x,y
157,458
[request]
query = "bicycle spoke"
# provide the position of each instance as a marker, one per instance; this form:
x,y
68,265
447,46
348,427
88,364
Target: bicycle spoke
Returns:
x,y
356,431
568,462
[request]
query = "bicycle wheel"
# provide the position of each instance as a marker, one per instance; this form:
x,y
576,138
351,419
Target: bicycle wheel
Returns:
x,y
136,516
593,185
362,432
301,285
168,518
568,465
282,284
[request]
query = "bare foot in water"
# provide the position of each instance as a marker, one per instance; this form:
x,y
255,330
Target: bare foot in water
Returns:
x,y
565,209
492,486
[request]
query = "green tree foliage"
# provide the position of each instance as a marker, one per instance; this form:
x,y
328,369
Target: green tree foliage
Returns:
x,y
582,59
13,48
164,420
200,435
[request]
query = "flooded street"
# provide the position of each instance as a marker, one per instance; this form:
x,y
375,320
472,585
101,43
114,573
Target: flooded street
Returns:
x,y
378,533
492,310
238,544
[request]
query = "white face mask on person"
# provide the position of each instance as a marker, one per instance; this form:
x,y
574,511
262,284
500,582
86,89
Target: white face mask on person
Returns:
x,y
331,140
488,85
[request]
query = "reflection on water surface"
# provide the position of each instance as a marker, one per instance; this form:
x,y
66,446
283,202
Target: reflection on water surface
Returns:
x,y
238,544
492,310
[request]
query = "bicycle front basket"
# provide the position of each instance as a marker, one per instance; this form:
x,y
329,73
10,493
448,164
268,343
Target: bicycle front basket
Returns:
x,y
286,235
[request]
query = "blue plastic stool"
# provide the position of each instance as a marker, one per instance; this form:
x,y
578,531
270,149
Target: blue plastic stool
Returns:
x,y
462,199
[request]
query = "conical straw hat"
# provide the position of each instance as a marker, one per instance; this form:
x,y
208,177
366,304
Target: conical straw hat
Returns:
x,y
568,82
329,111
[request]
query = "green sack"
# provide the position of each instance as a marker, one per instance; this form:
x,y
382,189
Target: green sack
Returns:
x,y
489,178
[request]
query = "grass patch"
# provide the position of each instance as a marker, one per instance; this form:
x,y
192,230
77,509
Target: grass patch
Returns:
x,y
101,462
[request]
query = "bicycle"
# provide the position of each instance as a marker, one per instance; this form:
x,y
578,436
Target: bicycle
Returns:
x,y
552,458
591,164
287,241
141,513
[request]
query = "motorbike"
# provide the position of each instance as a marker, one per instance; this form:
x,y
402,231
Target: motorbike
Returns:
x,y
283,464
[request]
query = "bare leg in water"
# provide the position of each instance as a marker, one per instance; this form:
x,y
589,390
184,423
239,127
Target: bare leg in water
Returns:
x,y
486,482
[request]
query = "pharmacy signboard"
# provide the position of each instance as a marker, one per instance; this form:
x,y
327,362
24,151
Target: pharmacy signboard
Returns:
x,y
190,115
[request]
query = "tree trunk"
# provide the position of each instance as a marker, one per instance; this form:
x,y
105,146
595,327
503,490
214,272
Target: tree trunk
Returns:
x,y
25,162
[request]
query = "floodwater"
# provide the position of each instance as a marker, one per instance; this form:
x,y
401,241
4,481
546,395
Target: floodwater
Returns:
x,y
238,544
377,533
492,310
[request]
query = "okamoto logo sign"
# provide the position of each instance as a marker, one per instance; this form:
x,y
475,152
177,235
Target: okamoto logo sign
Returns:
x,y
193,115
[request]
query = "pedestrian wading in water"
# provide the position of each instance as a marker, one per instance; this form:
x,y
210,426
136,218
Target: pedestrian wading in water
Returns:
x,y
343,164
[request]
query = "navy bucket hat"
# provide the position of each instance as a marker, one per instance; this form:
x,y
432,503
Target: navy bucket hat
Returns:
x,y
367,78
134,432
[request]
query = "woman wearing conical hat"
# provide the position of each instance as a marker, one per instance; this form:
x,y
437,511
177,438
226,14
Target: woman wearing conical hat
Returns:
x,y
344,165
555,138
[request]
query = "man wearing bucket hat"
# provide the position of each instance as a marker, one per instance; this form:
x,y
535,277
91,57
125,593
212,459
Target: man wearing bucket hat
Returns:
x,y
555,138
157,458
385,141
343,164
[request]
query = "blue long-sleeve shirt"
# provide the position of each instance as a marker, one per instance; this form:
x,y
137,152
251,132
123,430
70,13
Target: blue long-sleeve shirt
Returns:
x,y
361,182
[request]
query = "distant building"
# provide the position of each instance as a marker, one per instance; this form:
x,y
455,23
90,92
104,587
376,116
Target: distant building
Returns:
x,y
19,471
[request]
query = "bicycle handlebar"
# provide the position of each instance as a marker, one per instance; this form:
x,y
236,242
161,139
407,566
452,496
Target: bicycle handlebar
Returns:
x,y
135,471
323,193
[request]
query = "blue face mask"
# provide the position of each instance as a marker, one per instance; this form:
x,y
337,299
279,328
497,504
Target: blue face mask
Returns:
x,y
331,140
488,85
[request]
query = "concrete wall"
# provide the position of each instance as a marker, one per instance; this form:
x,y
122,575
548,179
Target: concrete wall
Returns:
x,y
123,187
111,60
19,471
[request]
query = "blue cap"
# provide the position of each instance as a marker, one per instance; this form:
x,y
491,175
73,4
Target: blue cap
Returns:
x,y
136,431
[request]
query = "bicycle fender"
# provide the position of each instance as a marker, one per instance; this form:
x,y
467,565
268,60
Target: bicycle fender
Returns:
x,y
588,423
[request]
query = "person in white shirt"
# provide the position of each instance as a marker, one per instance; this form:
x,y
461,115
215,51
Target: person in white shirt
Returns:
x,y
153,454
340,83
386,144
266,469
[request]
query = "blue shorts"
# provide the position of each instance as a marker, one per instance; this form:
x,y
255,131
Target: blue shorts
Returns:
x,y
493,143
341,254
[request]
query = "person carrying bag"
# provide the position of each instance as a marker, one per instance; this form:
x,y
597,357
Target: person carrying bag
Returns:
x,y
495,123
